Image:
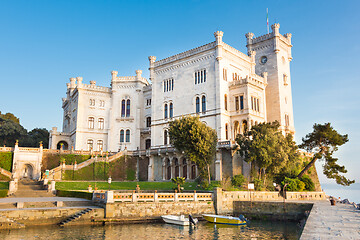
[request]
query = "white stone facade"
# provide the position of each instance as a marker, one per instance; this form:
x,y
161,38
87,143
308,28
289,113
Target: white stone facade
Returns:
x,y
229,90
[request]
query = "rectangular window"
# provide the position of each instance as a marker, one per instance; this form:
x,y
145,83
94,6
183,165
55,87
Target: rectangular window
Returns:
x,y
168,85
101,123
241,102
225,74
237,103
200,76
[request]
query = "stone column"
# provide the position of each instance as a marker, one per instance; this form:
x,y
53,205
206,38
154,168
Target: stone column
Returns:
x,y
151,169
188,165
218,166
218,200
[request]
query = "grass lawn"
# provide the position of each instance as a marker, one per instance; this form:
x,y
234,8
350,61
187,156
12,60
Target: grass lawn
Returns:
x,y
128,185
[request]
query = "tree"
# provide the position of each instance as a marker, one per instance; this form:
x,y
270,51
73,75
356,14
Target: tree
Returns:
x,y
178,181
267,148
10,131
35,136
11,117
322,143
196,140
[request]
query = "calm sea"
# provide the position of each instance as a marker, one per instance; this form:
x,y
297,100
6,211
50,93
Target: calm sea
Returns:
x,y
255,230
351,192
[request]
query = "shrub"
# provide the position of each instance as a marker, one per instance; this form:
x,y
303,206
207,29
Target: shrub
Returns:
x,y
3,193
258,184
238,180
293,184
309,184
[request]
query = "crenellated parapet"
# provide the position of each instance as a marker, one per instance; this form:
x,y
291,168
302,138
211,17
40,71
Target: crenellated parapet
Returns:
x,y
122,79
255,80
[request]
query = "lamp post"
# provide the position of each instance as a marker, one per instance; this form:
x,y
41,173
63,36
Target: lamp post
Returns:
x,y
109,181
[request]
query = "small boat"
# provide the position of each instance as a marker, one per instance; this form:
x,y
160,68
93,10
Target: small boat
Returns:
x,y
179,220
241,220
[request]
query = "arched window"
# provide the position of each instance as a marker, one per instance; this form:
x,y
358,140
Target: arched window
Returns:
x,y
177,167
127,139
171,110
184,168
226,131
197,104
90,144
203,104
166,111
123,108
122,136
148,122
128,108
101,123
165,137
100,144
91,122
225,102
236,128
147,143
244,126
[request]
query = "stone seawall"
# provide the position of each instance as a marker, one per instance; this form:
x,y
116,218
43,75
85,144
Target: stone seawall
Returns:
x,y
272,210
155,210
49,216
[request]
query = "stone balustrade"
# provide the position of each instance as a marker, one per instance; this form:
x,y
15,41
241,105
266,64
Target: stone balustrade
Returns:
x,y
104,197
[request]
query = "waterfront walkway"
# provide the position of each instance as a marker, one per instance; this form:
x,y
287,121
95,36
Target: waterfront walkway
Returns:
x,y
341,221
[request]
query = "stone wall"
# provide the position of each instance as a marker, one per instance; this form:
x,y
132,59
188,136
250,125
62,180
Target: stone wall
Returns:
x,y
225,199
272,210
50,216
152,210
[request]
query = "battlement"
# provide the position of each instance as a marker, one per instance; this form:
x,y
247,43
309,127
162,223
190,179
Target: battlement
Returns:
x,y
286,38
116,79
254,79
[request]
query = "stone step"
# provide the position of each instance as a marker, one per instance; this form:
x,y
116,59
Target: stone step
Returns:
x,y
32,193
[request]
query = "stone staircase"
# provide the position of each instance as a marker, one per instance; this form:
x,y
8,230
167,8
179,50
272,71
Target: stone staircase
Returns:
x,y
74,217
31,188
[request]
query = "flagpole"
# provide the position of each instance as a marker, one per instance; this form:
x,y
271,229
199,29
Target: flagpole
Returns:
x,y
267,19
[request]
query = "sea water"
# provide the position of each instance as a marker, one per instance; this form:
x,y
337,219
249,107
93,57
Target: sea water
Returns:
x,y
254,230
351,192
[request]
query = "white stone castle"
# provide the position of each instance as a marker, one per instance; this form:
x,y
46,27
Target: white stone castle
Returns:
x,y
229,90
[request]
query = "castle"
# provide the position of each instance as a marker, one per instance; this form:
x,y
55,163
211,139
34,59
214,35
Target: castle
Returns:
x,y
229,90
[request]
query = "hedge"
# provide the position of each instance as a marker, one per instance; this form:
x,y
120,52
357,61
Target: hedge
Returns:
x,y
51,160
6,160
3,193
76,194
120,170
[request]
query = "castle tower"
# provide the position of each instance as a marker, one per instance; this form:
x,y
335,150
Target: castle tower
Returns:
x,y
273,55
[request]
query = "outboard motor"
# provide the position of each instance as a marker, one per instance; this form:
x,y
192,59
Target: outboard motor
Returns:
x,y
192,220
242,218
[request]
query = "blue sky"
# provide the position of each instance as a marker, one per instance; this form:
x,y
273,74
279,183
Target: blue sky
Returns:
x,y
44,43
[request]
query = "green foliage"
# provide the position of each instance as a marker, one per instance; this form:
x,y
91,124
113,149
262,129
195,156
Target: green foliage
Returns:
x,y
130,174
238,180
119,169
309,184
178,181
3,193
267,148
323,142
10,131
10,116
293,184
4,185
51,161
259,184
197,141
76,194
71,158
35,136
6,160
